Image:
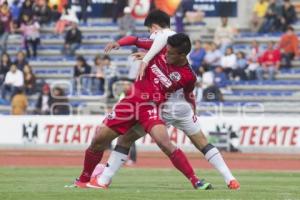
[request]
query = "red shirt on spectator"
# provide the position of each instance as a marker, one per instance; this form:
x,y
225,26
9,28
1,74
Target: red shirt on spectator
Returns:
x,y
271,57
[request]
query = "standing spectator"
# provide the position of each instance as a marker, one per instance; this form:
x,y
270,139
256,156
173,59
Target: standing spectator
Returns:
x,y
111,74
5,63
6,26
21,60
42,13
288,45
197,56
289,14
19,103
259,12
14,79
240,72
229,62
81,74
29,80
126,23
60,104
224,35
31,35
99,74
72,40
270,62
118,7
133,65
15,10
84,5
44,101
68,17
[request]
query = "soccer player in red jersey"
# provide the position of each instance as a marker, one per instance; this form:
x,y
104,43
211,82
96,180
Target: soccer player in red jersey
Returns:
x,y
167,72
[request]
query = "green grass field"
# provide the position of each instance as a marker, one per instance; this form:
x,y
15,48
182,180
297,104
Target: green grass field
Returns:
x,y
144,184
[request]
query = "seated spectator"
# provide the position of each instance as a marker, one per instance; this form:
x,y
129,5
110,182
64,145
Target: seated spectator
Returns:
x,y
14,80
220,78
240,72
42,13
26,9
5,64
197,56
259,12
110,74
72,40
99,74
60,104
118,7
6,26
126,23
224,35
19,103
29,80
84,6
55,14
31,34
67,18
253,65
21,60
289,14
288,45
212,57
44,101
270,62
211,92
229,62
272,18
133,66
82,72
15,10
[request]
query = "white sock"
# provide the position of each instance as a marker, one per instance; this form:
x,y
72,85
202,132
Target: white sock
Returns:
x,y
114,163
214,157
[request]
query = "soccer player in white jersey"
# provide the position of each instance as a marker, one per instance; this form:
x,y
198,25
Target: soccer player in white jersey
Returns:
x,y
177,112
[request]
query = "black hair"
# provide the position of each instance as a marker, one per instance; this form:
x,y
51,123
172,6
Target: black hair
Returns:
x,y
157,17
180,41
106,57
290,28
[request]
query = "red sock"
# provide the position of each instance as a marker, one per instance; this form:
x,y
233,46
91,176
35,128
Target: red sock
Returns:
x,y
181,162
91,159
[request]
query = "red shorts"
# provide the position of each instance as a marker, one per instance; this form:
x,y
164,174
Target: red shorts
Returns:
x,y
128,112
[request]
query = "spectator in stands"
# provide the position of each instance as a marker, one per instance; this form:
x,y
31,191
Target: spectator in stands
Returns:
x,y
270,62
72,40
55,14
21,60
259,12
272,18
229,62
60,104
111,74
240,72
5,64
126,23
253,65
99,74
14,80
44,101
19,103
118,7
133,66
288,45
67,18
81,74
29,80
220,78
15,10
84,5
212,57
224,35
42,13
211,92
197,56
26,9
31,34
6,26
289,14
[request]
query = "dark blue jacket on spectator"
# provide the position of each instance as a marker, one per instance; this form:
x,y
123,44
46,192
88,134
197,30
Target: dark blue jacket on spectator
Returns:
x,y
197,59
221,79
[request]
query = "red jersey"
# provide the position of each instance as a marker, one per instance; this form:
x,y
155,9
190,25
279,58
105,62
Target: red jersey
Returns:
x,y
160,78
